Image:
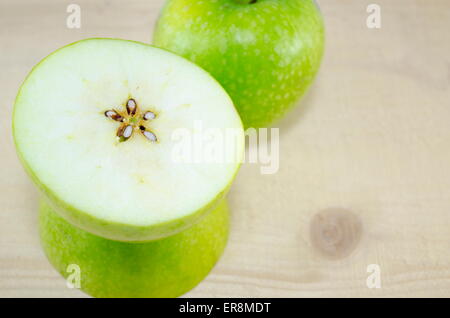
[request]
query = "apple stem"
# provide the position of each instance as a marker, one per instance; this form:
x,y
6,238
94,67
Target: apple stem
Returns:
x,y
246,1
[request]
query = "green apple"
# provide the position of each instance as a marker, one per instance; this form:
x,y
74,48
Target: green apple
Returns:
x,y
94,125
164,268
265,53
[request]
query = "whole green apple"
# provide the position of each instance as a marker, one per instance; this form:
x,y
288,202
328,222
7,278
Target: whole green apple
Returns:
x,y
265,53
164,268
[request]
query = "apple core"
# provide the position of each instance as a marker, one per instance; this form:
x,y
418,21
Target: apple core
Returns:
x,y
132,120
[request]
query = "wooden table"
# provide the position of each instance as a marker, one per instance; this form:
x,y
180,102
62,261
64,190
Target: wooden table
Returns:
x,y
372,137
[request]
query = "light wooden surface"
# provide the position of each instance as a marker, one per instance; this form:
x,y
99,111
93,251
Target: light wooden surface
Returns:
x,y
372,137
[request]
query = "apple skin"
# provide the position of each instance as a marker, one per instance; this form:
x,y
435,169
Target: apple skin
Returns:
x,y
167,267
265,54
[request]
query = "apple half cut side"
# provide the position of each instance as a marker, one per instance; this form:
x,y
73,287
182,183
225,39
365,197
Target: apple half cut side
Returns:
x,y
97,123
104,268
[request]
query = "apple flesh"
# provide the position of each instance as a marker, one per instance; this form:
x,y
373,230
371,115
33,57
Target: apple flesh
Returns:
x,y
164,268
265,53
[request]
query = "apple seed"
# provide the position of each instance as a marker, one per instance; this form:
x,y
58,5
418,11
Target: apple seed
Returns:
x,y
149,135
112,114
149,115
127,132
131,107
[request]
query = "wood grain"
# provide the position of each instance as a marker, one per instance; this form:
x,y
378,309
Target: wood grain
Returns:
x,y
372,137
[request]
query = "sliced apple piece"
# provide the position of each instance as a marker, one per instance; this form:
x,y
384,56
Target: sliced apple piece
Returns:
x,y
94,125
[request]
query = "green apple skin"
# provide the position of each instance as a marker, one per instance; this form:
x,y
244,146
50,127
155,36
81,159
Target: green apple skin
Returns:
x,y
265,54
167,267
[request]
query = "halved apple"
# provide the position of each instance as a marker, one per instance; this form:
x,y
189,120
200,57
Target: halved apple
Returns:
x,y
94,125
